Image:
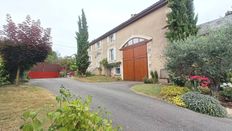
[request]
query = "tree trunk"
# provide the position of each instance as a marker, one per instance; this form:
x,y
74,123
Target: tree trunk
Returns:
x,y
17,76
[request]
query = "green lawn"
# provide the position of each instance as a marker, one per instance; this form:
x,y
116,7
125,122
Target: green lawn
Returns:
x,y
14,101
152,90
96,78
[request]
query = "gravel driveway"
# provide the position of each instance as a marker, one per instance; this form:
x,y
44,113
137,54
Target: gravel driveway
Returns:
x,y
135,112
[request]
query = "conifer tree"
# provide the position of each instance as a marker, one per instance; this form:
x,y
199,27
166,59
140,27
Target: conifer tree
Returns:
x,y
82,58
181,20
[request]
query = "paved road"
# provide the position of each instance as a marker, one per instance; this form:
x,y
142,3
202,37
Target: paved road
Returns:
x,y
135,112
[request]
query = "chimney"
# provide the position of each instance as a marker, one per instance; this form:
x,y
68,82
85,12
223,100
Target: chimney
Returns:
x,y
132,15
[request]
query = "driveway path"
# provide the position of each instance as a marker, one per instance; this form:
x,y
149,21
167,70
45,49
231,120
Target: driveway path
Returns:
x,y
135,112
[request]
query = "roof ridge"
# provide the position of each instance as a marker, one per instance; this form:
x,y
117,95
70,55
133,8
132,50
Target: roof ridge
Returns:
x,y
138,16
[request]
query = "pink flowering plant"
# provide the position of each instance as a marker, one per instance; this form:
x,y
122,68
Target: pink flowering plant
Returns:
x,y
199,81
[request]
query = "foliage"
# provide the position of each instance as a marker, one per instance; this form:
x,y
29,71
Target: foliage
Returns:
x,y
107,65
29,42
69,62
82,58
178,80
170,92
204,104
154,76
63,73
73,114
32,123
227,91
204,90
146,80
208,56
52,58
3,74
177,100
181,20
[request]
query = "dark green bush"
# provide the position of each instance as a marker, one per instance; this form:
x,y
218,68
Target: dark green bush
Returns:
x,y
147,80
227,94
3,74
204,104
154,76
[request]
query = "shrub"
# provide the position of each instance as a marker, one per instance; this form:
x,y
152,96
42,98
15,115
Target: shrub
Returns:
x,y
73,114
204,104
178,80
204,90
178,100
88,73
3,74
227,91
154,76
147,80
172,91
208,56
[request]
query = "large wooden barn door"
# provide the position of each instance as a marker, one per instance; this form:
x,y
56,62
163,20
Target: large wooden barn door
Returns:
x,y
135,66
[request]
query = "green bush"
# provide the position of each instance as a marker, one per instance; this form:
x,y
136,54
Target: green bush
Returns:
x,y
208,56
204,104
204,90
154,77
73,114
227,94
3,74
147,80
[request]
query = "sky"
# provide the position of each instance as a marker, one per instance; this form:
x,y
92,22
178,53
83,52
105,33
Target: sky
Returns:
x,y
102,15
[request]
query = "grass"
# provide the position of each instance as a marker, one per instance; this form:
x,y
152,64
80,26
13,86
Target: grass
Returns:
x,y
152,90
14,101
96,78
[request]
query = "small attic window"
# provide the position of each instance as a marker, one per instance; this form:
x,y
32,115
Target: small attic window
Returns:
x,y
134,41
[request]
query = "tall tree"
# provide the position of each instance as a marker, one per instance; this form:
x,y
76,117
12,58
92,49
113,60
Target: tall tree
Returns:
x,y
181,20
25,44
82,58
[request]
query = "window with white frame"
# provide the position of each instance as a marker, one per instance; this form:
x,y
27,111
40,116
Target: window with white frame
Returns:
x,y
112,54
90,58
98,45
117,70
111,38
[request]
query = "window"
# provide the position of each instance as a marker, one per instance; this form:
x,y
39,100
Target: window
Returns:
x,y
117,70
98,45
133,41
90,58
111,54
111,38
90,48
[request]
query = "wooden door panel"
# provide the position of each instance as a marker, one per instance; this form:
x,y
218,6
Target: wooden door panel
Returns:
x,y
140,51
140,68
128,70
128,54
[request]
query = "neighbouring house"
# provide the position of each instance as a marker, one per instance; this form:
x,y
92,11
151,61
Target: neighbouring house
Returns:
x,y
138,44
45,70
214,25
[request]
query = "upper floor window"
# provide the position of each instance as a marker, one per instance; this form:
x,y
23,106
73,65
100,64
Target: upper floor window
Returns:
x,y
90,48
112,54
111,38
133,41
98,45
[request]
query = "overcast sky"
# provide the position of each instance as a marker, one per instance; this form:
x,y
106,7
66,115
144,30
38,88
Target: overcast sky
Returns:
x,y
102,15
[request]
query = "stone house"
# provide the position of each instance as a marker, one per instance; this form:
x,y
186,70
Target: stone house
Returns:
x,y
137,44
